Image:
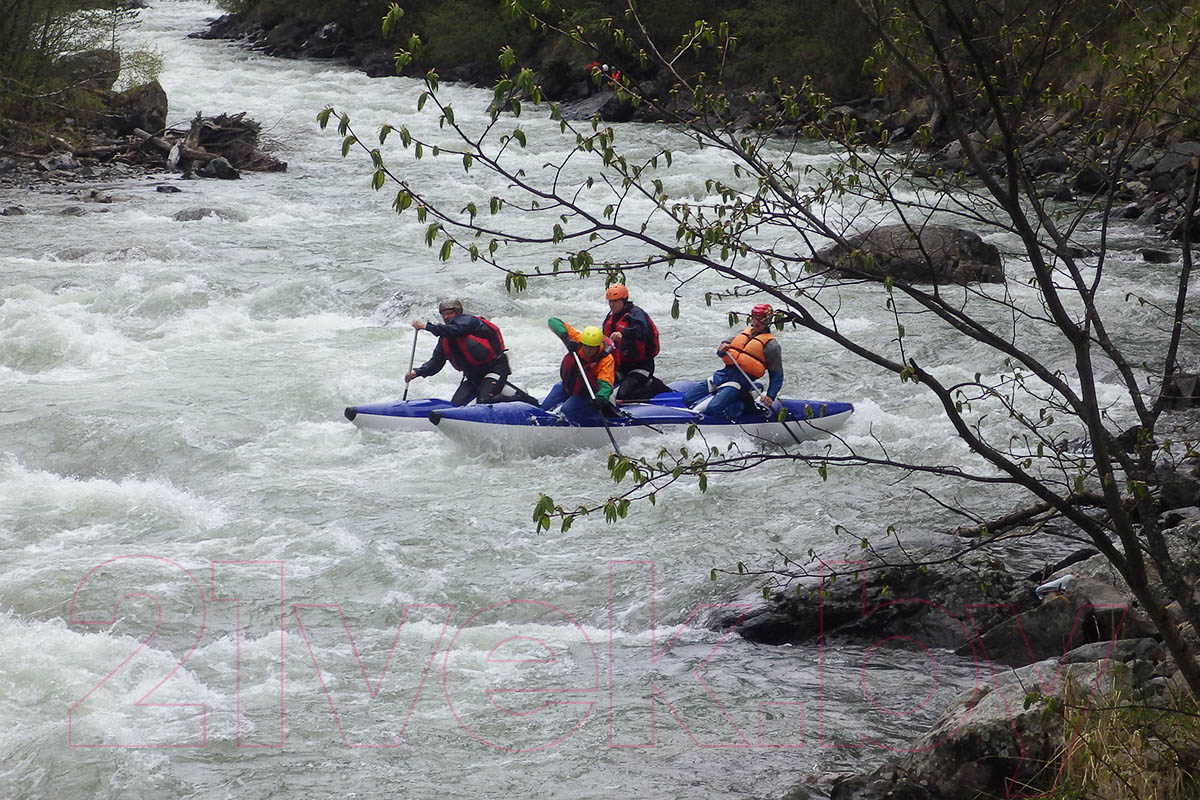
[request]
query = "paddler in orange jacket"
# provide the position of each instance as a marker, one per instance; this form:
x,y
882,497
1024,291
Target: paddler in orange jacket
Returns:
x,y
756,351
591,349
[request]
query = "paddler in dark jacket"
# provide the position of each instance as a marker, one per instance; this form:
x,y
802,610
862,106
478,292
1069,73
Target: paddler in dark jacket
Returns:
x,y
754,352
636,337
594,352
475,347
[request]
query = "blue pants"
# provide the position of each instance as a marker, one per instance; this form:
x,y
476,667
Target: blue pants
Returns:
x,y
727,401
573,407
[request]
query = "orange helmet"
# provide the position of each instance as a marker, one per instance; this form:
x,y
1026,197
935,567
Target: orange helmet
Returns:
x,y
762,311
618,291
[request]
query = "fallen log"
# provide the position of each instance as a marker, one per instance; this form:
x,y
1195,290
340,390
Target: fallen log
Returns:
x,y
102,151
167,146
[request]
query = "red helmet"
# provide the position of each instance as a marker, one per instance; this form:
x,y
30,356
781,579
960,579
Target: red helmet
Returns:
x,y
618,291
762,311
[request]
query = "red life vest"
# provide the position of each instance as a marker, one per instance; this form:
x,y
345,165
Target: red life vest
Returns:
x,y
750,352
474,350
632,350
568,370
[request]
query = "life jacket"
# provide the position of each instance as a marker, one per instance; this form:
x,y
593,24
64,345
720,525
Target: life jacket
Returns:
x,y
568,370
475,349
632,350
750,352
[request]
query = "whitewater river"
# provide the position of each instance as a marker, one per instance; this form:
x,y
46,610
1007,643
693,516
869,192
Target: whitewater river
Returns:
x,y
171,399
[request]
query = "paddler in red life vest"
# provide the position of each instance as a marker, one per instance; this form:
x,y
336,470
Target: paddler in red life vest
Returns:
x,y
636,337
757,352
475,347
595,354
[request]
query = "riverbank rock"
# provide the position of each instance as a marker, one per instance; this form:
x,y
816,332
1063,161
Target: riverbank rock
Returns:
x,y
990,741
903,594
932,254
142,107
97,69
1088,611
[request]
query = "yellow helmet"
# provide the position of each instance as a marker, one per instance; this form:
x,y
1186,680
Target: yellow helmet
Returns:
x,y
591,336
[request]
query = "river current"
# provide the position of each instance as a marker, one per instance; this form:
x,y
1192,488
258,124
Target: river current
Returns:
x,y
369,615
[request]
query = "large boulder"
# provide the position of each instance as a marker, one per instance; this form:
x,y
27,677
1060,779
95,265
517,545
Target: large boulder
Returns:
x,y
931,254
97,69
991,741
906,599
142,107
1089,611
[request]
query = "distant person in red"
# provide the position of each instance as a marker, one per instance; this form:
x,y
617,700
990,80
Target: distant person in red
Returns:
x,y
473,346
612,74
636,337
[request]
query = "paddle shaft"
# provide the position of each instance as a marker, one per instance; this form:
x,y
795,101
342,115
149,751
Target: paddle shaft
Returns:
x,y
588,383
412,359
782,422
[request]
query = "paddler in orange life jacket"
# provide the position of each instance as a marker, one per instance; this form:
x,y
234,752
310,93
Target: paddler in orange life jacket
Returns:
x,y
636,337
595,354
757,352
475,347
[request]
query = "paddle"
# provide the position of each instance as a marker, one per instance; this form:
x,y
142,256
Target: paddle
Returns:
x,y
765,405
591,393
412,359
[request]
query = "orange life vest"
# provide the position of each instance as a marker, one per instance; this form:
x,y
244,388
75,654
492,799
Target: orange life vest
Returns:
x,y
749,352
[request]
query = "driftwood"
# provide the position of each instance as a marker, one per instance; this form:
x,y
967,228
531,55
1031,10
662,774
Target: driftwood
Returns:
x,y
102,151
167,146
234,137
1024,515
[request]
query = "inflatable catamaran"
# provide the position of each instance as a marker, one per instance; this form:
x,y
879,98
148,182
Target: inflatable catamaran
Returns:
x,y
529,428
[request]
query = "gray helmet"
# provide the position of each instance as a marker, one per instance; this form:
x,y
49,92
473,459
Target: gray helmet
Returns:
x,y
451,302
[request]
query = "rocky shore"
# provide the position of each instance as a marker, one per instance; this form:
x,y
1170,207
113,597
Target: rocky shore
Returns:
x,y
124,138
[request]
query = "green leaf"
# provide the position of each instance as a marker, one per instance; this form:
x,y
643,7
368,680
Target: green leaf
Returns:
x,y
507,58
377,180
323,116
391,19
347,143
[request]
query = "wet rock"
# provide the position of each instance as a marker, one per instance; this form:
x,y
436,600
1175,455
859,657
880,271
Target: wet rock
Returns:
x,y
927,603
219,168
1091,180
1182,390
194,214
988,737
164,188
143,107
932,254
57,161
1177,158
13,211
1153,255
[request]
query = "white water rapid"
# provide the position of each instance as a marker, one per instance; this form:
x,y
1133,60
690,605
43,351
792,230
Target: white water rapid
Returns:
x,y
171,399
